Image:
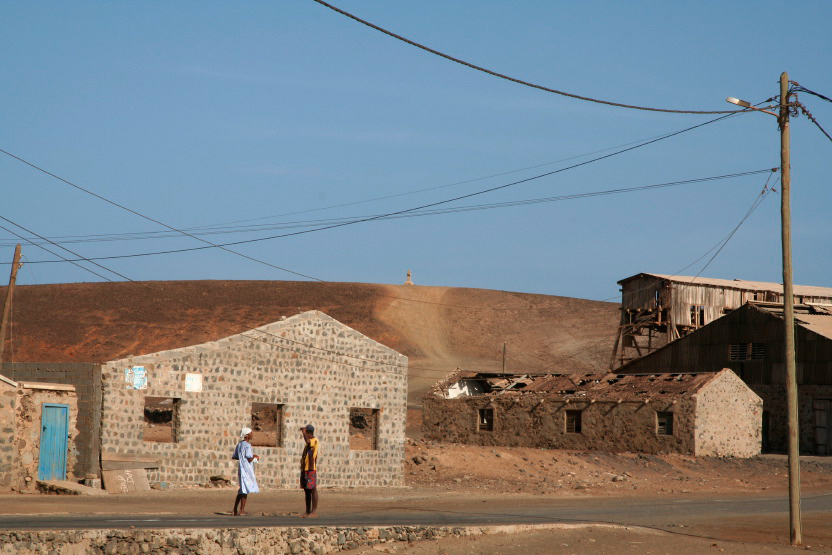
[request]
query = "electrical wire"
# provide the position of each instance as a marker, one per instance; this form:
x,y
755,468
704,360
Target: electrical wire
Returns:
x,y
809,115
224,246
434,212
513,79
40,246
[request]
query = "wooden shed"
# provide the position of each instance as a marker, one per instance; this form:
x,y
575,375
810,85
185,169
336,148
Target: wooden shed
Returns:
x,y
657,309
749,341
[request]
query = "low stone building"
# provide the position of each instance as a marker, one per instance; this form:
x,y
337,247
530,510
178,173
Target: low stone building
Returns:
x,y
750,341
38,440
185,407
656,413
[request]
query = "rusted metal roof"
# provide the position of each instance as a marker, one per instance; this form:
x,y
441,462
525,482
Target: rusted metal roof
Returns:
x,y
802,290
598,387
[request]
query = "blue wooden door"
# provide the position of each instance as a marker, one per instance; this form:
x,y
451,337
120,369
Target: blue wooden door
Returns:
x,y
53,442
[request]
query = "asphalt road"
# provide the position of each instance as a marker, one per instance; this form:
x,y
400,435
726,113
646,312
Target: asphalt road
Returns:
x,y
665,514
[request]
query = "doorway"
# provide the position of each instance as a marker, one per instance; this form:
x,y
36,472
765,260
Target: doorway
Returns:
x,y
822,410
54,435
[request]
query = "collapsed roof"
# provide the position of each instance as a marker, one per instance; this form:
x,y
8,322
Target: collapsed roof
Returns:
x,y
584,387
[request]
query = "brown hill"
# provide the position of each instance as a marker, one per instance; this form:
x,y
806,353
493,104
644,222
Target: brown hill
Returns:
x,y
438,328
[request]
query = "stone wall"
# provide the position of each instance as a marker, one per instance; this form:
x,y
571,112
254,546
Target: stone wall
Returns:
x,y
774,402
729,418
312,365
533,420
86,378
28,414
315,540
8,443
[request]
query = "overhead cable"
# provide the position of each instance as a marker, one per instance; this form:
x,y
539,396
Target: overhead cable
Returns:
x,y
430,212
513,79
224,246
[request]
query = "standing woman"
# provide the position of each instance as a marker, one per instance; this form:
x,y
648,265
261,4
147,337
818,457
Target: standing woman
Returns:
x,y
309,470
248,483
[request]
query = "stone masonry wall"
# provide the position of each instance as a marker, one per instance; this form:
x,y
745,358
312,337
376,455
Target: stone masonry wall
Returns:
x,y
29,411
314,540
87,381
729,418
8,443
314,366
774,402
532,420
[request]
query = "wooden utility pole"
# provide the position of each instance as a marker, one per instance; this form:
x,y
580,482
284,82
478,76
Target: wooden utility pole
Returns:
x,y
796,533
7,306
504,358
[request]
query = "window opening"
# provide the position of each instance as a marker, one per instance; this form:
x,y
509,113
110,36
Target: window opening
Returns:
x,y
267,425
161,419
664,421
747,351
697,315
486,420
573,422
363,429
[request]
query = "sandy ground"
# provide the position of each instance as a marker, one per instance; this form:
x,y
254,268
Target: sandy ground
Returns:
x,y
585,540
471,468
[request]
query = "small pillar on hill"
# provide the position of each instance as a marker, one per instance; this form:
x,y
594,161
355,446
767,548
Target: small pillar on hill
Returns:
x,y
409,279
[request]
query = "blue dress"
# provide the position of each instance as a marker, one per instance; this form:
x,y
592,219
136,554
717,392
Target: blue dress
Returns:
x,y
248,483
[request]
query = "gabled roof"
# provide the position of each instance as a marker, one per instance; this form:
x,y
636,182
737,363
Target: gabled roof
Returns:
x,y
274,333
803,290
584,387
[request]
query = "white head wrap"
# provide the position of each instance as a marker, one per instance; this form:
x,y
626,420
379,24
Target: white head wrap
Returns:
x,y
244,432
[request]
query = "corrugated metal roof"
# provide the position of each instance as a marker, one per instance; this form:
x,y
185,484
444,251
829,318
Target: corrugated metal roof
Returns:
x,y
803,290
821,324
816,319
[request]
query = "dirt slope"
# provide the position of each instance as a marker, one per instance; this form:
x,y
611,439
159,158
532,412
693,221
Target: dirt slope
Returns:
x,y
438,328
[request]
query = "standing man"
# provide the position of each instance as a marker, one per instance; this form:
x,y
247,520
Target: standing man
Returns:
x,y
248,483
309,470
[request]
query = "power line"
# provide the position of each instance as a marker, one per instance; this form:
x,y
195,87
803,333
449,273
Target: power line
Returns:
x,y
513,79
130,210
434,212
74,262
224,246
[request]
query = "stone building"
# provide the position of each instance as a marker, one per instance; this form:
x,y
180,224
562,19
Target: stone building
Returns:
x,y
38,440
185,407
655,413
750,341
85,379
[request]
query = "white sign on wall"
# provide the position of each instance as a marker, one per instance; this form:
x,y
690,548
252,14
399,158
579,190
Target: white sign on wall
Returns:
x,y
193,382
135,377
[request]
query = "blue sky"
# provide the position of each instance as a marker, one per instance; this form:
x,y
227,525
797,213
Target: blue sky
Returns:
x,y
272,113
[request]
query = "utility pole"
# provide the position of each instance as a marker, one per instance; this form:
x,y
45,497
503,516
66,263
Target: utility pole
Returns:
x,y
795,528
7,306
795,532
504,358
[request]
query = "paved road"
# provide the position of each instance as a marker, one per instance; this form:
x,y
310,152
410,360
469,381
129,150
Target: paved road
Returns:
x,y
659,513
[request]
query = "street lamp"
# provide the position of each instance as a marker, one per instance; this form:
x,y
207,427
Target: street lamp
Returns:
x,y
796,534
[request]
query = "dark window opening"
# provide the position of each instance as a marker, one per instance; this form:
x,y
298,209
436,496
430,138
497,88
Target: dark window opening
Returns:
x,y
664,422
363,429
764,440
747,351
266,425
697,315
485,422
573,422
161,419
